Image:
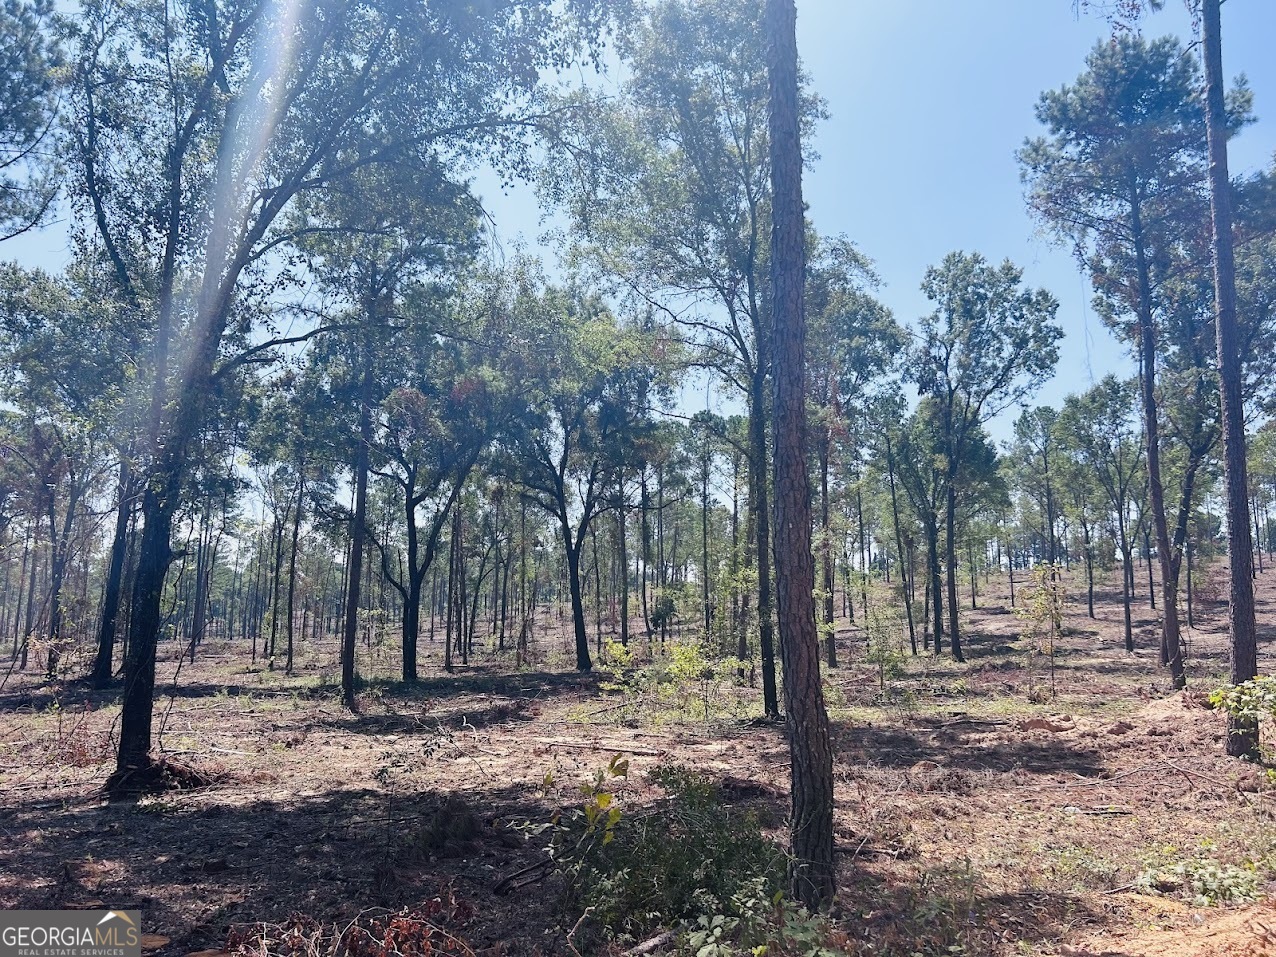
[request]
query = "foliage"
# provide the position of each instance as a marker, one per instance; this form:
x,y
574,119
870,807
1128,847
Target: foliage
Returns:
x,y
773,926
1042,614
684,678
29,60
688,856
1250,702
1203,881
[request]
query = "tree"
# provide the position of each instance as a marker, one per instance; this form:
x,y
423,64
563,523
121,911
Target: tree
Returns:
x,y
586,411
987,346
811,756
1119,177
1036,446
375,240
1099,429
1242,737
61,342
230,140
854,342
673,207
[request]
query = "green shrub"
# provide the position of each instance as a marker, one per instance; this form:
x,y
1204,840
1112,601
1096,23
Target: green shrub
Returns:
x,y
685,857
1203,881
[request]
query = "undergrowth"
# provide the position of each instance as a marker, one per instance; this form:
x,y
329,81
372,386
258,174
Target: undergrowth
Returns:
x,y
689,863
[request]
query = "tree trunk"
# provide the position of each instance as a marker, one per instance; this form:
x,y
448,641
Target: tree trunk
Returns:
x,y
826,549
905,569
292,568
760,506
644,509
416,578
950,556
935,589
101,676
1242,736
811,765
866,552
623,543
583,662
154,556
1171,642
704,544
358,531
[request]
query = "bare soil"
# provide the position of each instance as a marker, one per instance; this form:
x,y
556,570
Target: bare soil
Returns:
x,y
977,811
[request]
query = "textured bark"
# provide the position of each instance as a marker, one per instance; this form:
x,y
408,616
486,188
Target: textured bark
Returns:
x,y
1171,641
826,550
1242,737
154,556
292,568
811,767
358,532
760,507
583,662
114,580
905,568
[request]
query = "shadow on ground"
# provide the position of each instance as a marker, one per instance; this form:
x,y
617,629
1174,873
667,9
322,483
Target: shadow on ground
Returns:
x,y
952,747
196,863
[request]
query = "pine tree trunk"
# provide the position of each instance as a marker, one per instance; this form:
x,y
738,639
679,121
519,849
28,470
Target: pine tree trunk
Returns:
x,y
102,663
1171,642
811,766
905,570
826,549
1242,736
358,532
760,507
292,568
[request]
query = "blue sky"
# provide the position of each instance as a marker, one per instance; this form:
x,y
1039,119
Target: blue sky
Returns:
x,y
928,101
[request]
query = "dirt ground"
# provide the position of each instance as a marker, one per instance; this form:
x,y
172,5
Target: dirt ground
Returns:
x,y
976,813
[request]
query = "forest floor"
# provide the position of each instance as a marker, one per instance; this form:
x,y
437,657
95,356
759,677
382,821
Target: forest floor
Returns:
x,y
976,812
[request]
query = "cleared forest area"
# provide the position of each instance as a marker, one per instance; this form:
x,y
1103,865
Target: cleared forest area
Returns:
x,y
976,807
747,566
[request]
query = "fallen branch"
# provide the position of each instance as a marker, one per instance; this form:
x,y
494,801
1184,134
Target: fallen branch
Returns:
x,y
959,721
871,851
1189,774
616,707
598,746
519,878
647,946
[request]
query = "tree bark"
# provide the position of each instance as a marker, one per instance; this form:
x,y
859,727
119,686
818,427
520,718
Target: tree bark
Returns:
x,y
905,569
358,531
759,505
811,766
101,676
583,662
1242,736
826,549
1171,641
